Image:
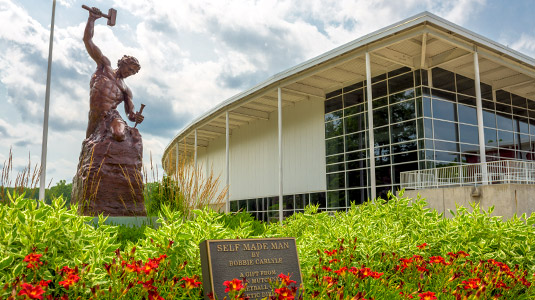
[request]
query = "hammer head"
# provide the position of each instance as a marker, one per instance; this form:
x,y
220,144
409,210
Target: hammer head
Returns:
x,y
112,15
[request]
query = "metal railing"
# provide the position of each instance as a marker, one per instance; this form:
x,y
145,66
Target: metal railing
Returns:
x,y
496,172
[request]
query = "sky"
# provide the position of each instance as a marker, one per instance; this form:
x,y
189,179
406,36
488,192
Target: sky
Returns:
x,y
194,54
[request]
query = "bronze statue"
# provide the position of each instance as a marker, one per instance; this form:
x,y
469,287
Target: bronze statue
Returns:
x,y
107,85
109,179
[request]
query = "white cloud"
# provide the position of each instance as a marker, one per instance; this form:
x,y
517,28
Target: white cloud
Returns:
x,y
525,44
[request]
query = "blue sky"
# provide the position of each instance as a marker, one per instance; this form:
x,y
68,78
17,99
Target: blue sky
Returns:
x,y
193,54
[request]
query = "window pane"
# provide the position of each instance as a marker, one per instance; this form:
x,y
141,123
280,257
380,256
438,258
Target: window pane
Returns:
x,y
518,101
357,178
503,97
356,155
489,119
446,157
505,139
438,94
381,136
379,102
403,168
301,200
251,205
358,196
408,94
335,168
335,159
400,83
466,85
467,114
445,131
356,164
398,148
318,199
490,137
288,202
335,181
444,110
402,111
504,122
405,157
333,128
468,134
361,108
380,117
355,123
354,97
382,160
402,132
446,146
336,199
443,79
333,104
355,141
334,146
379,89
333,94
428,126
383,176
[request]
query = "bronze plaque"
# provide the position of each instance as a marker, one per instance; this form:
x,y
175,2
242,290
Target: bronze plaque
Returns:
x,y
259,261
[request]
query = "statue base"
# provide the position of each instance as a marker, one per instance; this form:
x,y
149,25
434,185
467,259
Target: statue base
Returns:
x,y
109,179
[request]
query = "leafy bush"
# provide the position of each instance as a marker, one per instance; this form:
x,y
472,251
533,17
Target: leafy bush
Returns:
x,y
28,226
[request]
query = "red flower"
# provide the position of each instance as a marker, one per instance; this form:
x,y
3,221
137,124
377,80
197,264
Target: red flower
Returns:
x,y
235,285
33,292
365,272
44,283
153,295
472,283
325,268
462,254
501,284
422,269
437,260
147,285
334,260
376,275
342,271
190,283
69,281
330,281
422,246
285,279
330,253
427,296
33,260
150,267
284,293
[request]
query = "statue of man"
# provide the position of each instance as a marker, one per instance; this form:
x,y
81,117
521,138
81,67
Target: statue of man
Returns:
x,y
107,85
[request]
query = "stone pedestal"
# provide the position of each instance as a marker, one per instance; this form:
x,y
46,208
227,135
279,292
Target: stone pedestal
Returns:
x,y
109,178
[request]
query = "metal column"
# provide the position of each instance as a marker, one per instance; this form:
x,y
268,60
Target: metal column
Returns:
x,y
279,107
370,126
44,144
227,161
482,153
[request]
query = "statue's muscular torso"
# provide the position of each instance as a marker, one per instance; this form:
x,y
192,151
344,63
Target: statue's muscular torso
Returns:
x,y
106,93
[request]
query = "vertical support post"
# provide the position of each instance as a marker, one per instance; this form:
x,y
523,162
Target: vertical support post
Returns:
x,y
195,153
370,126
44,144
227,160
479,107
195,171
279,107
176,161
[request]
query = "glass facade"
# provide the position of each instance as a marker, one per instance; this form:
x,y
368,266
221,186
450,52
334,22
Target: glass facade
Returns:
x,y
420,121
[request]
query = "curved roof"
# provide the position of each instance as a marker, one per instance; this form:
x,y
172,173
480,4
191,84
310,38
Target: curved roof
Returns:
x,y
422,41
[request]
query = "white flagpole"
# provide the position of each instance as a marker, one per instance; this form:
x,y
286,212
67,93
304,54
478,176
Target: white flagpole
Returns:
x,y
47,102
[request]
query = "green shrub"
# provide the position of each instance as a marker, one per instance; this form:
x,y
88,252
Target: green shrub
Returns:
x,y
65,238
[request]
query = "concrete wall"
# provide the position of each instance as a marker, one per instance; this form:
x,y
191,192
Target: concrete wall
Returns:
x,y
254,154
507,199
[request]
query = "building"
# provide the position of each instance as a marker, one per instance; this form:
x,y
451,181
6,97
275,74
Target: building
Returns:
x,y
420,94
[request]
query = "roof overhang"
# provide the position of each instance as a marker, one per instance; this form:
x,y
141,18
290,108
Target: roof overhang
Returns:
x,y
422,41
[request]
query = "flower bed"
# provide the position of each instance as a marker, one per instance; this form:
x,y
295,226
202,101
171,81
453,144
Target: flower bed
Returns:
x,y
385,250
